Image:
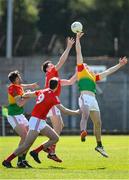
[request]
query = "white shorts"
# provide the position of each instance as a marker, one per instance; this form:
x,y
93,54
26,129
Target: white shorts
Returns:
x,y
53,111
17,119
37,124
90,101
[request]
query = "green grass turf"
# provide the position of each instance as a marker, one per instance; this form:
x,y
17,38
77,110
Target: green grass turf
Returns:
x,y
80,160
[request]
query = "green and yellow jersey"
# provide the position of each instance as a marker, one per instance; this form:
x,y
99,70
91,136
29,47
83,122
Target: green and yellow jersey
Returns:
x,y
13,91
86,78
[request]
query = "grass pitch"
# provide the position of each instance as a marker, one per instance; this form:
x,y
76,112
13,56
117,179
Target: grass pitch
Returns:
x,y
80,160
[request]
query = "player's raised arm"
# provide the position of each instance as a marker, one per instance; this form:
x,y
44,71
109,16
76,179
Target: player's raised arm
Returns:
x,y
64,56
68,82
78,48
122,62
68,111
30,86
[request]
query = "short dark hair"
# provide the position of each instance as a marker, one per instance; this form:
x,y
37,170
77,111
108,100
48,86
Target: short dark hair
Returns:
x,y
45,66
53,83
13,75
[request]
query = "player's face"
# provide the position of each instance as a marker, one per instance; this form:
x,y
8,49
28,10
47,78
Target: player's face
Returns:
x,y
50,66
18,80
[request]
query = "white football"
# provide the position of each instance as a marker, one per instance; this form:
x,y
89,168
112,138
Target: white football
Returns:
x,y
76,27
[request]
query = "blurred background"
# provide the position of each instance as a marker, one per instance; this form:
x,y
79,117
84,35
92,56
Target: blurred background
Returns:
x,y
33,30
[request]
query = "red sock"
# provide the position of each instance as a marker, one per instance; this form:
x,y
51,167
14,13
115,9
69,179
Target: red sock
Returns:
x,y
38,149
11,157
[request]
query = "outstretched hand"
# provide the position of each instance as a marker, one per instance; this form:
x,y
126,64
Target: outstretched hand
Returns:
x,y
123,61
70,42
78,111
35,86
79,35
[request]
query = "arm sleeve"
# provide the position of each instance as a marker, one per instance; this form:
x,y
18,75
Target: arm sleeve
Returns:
x,y
98,77
37,93
14,91
80,67
57,101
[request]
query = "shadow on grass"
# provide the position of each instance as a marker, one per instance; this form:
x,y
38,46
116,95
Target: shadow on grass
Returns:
x,y
100,168
51,167
44,168
56,167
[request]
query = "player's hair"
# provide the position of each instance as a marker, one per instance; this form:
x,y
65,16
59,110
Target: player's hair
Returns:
x,y
13,75
45,66
53,83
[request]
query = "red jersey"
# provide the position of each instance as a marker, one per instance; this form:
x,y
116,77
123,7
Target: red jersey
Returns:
x,y
53,73
45,100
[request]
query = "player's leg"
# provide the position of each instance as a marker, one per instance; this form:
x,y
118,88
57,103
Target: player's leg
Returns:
x,y
30,138
37,125
83,122
22,162
56,119
24,123
26,126
20,125
85,115
57,123
51,134
21,130
96,119
53,139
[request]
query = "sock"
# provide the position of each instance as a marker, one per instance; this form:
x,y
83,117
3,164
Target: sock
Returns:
x,y
38,149
83,130
11,157
19,158
53,147
24,156
99,143
83,133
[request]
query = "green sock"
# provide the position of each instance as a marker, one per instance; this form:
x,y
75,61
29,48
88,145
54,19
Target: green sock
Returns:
x,y
24,156
19,158
99,143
